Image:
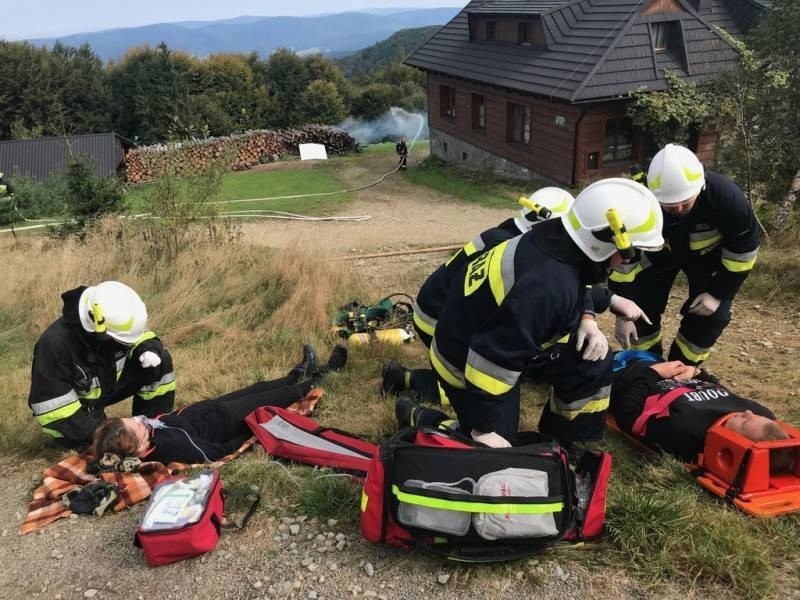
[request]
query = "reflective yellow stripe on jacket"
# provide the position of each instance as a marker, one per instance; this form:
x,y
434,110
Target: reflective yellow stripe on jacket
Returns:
x,y
739,262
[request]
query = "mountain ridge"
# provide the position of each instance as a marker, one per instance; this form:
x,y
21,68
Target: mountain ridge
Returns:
x,y
335,33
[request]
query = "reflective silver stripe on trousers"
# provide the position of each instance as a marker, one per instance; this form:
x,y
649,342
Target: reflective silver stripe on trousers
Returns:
x,y
487,367
603,392
41,408
456,373
168,378
692,346
120,364
743,257
424,317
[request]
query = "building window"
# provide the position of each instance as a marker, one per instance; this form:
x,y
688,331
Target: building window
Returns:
x,y
524,32
666,36
447,101
591,161
491,30
478,111
519,123
618,140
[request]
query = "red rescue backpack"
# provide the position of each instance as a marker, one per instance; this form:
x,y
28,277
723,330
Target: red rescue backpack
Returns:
x,y
476,504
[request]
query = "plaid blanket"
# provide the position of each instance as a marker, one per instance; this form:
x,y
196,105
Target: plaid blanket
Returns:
x,y
71,473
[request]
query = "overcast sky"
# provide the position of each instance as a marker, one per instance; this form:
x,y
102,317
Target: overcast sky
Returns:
x,y
47,18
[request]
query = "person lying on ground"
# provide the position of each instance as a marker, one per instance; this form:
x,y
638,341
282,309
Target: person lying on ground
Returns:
x,y
211,429
670,406
698,401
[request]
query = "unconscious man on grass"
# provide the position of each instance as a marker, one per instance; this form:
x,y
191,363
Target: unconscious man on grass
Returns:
x,y
668,406
209,430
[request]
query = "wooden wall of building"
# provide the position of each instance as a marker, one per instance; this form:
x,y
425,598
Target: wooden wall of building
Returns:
x,y
563,135
550,152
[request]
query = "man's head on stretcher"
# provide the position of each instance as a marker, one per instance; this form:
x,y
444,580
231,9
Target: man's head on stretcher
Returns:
x,y
705,402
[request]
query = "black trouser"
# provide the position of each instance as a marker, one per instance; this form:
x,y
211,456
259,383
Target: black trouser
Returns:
x,y
576,409
222,419
696,335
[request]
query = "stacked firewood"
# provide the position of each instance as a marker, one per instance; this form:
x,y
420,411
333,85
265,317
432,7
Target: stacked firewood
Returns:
x,y
234,152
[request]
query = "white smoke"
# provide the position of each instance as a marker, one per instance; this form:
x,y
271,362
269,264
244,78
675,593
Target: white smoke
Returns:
x,y
391,126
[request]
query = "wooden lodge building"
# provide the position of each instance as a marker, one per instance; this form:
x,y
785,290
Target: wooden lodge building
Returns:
x,y
539,87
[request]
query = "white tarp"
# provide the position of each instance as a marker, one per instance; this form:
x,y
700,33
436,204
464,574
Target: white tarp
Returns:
x,y
313,151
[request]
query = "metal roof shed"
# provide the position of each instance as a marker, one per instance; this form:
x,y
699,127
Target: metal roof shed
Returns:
x,y
40,158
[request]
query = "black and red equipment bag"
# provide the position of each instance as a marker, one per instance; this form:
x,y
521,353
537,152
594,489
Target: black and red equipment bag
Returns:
x,y
285,434
472,503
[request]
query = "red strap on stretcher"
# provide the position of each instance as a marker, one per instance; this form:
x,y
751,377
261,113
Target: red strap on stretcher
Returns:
x,y
656,406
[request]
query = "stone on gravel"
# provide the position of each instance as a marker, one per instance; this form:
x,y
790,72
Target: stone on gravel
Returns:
x,y
257,584
443,578
340,537
312,595
288,520
294,529
340,546
90,593
332,522
369,569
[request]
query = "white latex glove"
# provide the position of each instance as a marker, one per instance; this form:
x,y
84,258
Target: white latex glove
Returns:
x,y
149,359
596,343
491,439
704,305
627,309
625,332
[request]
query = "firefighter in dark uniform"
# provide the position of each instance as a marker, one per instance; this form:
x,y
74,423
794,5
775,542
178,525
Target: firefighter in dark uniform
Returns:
x,y
519,309
711,235
6,188
546,203
97,354
402,151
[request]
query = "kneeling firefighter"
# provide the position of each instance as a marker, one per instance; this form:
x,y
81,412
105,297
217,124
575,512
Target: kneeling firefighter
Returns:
x,y
97,354
546,203
520,308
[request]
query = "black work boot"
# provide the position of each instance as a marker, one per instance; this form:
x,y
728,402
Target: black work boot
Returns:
x,y
394,377
308,366
336,362
338,358
405,409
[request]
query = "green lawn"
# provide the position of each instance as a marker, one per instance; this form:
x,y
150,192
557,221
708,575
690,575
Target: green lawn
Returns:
x,y
270,184
481,189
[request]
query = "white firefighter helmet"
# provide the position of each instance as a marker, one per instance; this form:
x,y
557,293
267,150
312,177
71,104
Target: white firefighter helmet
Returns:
x,y
614,214
114,308
675,175
555,200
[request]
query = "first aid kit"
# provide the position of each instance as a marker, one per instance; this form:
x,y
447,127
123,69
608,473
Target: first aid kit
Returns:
x,y
473,503
183,519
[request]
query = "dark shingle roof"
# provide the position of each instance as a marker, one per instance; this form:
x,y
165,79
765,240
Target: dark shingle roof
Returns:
x,y
596,49
41,157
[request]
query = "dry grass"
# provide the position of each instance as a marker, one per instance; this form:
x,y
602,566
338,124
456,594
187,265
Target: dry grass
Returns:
x,y
230,314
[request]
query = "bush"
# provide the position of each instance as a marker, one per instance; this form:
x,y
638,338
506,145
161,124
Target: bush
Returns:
x,y
87,198
181,212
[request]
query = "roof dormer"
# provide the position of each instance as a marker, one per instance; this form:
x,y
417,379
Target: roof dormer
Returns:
x,y
503,22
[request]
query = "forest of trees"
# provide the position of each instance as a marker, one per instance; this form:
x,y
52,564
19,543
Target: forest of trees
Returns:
x,y
158,95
